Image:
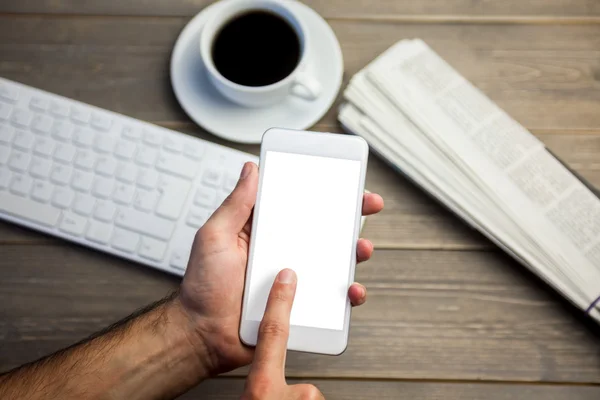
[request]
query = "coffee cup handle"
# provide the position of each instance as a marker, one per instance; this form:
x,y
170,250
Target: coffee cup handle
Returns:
x,y
306,87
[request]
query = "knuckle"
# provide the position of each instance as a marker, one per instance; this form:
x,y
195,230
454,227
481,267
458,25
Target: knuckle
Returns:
x,y
207,235
272,328
280,296
258,388
310,392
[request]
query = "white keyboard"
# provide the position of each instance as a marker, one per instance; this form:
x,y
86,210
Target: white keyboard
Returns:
x,y
105,180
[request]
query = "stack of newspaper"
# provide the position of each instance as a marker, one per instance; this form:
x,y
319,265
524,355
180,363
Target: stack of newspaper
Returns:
x,y
431,124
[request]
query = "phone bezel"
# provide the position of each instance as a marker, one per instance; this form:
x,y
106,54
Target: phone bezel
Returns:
x,y
302,338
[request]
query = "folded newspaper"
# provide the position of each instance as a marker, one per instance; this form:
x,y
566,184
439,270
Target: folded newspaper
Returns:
x,y
431,124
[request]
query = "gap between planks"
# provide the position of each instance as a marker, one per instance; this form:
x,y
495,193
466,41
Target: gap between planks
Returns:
x,y
188,125
408,19
308,379
52,241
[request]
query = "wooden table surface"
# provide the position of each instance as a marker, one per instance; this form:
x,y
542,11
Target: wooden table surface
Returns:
x,y
449,316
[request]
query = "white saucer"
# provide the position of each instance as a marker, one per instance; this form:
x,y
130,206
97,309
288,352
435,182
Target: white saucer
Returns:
x,y
209,109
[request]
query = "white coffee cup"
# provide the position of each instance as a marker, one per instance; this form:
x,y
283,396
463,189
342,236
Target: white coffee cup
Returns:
x,y
298,83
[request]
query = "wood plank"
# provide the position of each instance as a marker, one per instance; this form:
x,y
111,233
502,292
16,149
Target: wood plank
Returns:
x,y
548,81
226,388
410,220
430,315
329,9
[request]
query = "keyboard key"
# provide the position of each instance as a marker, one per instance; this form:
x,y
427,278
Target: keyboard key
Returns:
x,y
172,145
132,133
173,194
123,194
5,111
59,109
146,156
9,92
106,166
42,191
21,185
221,196
152,249
105,211
40,167
42,124
99,232
44,147
206,197
64,153
179,259
85,159
103,187
125,150
127,172
21,118
193,150
62,130
212,177
176,165
61,174
4,154
125,240
39,104
7,133
101,121
80,115
84,204
152,138
73,224
82,181
63,197
4,178
29,210
145,200
140,222
83,137
19,161
196,218
230,182
23,140
104,144
147,178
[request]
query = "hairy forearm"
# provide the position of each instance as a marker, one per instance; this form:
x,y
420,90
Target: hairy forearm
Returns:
x,y
155,354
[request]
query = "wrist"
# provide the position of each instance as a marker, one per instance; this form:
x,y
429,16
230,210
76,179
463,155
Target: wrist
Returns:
x,y
190,326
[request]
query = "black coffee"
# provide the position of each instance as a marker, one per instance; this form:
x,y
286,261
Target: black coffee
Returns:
x,y
258,48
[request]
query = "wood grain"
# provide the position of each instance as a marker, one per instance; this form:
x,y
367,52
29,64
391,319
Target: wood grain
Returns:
x,y
223,389
329,9
547,77
430,315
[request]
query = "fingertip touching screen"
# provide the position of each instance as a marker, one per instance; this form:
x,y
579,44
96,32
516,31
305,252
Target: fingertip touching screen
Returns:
x,y
306,221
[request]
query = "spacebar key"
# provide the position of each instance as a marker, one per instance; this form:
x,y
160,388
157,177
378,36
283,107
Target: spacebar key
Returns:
x,y
143,223
29,210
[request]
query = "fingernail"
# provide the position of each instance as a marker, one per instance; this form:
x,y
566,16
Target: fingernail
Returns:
x,y
363,292
286,276
246,171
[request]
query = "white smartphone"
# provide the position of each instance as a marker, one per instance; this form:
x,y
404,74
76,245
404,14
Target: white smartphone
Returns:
x,y
307,217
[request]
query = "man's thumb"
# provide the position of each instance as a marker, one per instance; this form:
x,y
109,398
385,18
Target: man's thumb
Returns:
x,y
236,209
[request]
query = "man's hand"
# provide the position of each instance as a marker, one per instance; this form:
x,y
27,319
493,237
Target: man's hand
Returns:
x,y
165,349
212,289
266,380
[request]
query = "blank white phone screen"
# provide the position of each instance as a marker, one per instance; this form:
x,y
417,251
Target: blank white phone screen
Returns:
x,y
306,222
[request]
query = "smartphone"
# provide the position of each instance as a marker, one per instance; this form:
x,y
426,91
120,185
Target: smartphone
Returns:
x,y
307,217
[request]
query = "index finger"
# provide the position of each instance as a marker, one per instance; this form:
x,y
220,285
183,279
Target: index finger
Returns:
x,y
273,333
